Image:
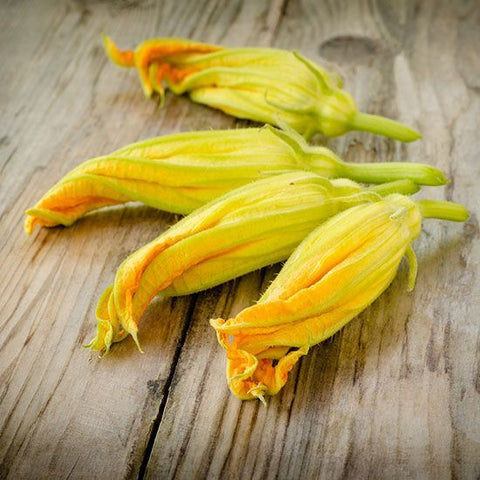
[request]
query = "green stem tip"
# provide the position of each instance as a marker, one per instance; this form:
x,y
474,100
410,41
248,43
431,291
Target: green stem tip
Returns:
x,y
384,126
443,210
405,187
389,171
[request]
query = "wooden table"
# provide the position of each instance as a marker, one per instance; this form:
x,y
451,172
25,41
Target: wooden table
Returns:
x,y
396,394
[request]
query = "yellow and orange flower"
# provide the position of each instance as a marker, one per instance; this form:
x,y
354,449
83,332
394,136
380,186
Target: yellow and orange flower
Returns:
x,y
248,228
335,273
179,173
263,84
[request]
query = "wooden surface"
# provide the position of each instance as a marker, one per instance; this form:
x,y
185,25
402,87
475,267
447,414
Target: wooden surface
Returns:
x,y
396,394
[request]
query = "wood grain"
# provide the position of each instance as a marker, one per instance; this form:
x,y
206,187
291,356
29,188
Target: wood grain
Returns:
x,y
396,394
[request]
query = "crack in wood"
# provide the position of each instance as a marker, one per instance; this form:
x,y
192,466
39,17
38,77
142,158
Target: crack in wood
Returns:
x,y
166,389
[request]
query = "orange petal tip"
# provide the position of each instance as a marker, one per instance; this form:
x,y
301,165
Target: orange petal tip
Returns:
x,y
117,56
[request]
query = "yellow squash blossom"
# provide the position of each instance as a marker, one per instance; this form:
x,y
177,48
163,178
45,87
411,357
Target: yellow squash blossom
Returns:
x,y
262,84
335,273
180,172
248,228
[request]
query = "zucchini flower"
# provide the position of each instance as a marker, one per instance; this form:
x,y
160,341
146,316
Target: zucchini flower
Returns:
x,y
262,84
335,273
246,229
179,173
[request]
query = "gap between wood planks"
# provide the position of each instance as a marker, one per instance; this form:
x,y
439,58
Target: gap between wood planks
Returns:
x,y
166,389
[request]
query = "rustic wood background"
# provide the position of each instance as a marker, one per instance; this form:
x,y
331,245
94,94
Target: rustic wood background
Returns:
x,y
396,394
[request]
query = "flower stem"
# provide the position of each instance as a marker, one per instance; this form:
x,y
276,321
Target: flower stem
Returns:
x,y
405,187
383,126
443,210
389,171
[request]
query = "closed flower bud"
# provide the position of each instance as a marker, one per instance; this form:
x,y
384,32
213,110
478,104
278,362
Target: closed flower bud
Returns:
x,y
262,84
248,228
335,273
180,172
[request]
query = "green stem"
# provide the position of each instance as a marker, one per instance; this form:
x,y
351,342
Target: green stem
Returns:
x,y
443,210
389,171
383,126
405,187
